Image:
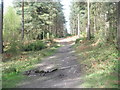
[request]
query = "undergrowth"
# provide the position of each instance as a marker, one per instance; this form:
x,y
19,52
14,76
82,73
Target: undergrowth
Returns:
x,y
99,64
15,65
35,46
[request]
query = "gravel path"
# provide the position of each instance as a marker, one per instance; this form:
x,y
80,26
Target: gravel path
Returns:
x,y
65,74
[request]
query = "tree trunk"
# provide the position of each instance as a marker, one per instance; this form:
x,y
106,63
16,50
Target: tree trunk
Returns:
x,y
94,30
43,35
88,26
48,35
118,30
1,27
22,19
56,27
78,25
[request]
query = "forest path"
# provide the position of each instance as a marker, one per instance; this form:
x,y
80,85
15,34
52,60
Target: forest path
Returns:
x,y
66,69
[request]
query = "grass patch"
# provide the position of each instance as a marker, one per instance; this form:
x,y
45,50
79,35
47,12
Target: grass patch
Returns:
x,y
99,64
14,66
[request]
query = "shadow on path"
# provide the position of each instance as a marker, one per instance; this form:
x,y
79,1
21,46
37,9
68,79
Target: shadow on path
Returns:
x,y
60,70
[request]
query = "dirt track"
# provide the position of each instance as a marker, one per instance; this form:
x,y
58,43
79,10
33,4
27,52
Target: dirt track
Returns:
x,y
66,75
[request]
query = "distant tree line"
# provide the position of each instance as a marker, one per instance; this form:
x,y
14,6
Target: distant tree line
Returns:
x,y
31,21
99,20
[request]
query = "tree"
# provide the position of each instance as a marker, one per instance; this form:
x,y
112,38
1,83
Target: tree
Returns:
x,y
42,17
78,17
118,30
99,17
88,25
78,25
12,27
22,19
1,27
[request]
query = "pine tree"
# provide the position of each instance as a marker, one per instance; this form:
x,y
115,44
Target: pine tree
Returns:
x,y
22,19
118,32
1,27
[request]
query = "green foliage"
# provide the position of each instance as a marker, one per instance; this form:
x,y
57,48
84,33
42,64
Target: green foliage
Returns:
x,y
78,8
35,46
103,20
79,40
11,31
11,79
67,35
11,25
41,15
13,69
13,48
99,64
99,55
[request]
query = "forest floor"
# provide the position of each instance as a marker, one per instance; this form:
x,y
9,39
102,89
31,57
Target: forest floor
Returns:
x,y
99,63
70,63
60,70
